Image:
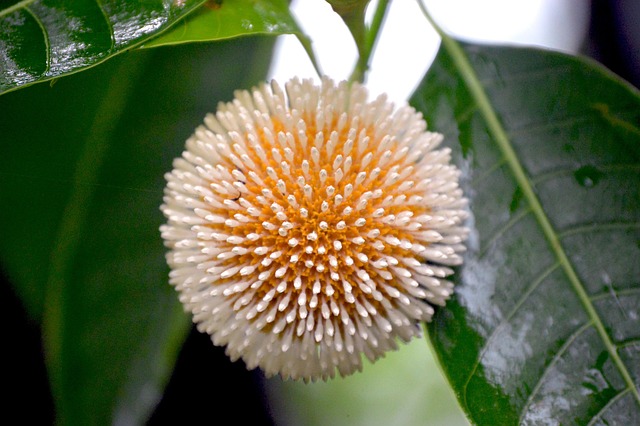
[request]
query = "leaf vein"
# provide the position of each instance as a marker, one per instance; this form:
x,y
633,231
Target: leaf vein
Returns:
x,y
544,177
496,129
623,292
598,227
608,405
556,357
45,35
112,35
467,114
489,171
538,126
505,320
629,342
586,116
500,231
529,76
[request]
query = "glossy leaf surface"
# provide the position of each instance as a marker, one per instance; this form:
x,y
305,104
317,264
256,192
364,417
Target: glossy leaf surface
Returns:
x,y
230,18
545,325
45,39
82,168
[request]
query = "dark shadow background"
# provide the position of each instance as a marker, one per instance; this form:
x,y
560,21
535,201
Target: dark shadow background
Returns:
x,y
614,37
204,379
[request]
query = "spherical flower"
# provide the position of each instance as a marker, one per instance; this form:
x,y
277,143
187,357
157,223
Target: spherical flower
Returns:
x,y
310,226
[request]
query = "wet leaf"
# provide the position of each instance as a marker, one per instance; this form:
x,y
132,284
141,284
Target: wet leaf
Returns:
x,y
223,19
545,325
44,39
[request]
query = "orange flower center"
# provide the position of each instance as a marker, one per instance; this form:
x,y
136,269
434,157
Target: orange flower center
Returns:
x,y
305,213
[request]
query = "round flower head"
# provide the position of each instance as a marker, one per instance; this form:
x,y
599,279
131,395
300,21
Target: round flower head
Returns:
x,y
310,226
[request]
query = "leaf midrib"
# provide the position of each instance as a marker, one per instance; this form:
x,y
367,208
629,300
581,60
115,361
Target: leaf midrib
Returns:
x,y
495,128
20,5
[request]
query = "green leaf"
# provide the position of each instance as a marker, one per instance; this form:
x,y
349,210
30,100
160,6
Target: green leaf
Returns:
x,y
545,325
44,39
231,18
82,165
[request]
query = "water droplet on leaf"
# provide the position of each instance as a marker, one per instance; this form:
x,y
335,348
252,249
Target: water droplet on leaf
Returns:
x,y
588,176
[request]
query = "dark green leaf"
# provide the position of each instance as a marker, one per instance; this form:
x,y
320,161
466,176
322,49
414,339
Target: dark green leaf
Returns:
x,y
545,324
45,39
82,167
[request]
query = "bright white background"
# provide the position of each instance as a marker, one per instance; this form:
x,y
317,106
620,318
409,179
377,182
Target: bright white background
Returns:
x,y
407,44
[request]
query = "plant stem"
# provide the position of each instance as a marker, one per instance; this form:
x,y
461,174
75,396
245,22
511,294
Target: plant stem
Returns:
x,y
353,17
376,24
365,38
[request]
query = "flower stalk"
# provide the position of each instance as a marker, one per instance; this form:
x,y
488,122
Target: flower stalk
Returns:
x,y
352,13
